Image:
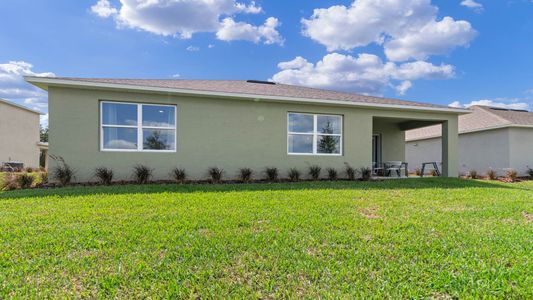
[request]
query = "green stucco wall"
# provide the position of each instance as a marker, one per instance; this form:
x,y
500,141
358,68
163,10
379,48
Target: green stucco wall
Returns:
x,y
230,134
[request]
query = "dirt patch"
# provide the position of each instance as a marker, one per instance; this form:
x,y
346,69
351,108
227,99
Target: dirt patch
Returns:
x,y
441,296
527,217
205,232
370,213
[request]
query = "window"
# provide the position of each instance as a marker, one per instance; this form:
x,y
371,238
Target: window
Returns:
x,y
314,134
137,127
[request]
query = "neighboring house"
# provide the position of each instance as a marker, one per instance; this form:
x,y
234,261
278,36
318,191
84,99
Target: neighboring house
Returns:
x,y
489,138
197,124
19,134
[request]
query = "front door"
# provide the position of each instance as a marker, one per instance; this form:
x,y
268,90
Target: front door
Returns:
x,y
376,150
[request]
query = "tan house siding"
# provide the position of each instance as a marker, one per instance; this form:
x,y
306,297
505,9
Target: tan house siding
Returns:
x,y
230,134
392,140
19,135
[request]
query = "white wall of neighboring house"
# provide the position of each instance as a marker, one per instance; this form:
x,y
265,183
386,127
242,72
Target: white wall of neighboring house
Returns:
x,y
19,135
521,141
498,149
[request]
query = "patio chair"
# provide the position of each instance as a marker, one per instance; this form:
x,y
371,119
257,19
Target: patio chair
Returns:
x,y
393,166
377,169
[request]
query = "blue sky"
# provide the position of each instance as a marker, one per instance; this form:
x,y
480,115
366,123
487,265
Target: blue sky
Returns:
x,y
444,52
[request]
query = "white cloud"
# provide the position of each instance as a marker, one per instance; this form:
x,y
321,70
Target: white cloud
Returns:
x,y
177,75
406,28
267,33
456,104
210,46
493,103
477,7
251,8
183,18
103,9
44,120
192,49
434,38
402,88
365,73
14,88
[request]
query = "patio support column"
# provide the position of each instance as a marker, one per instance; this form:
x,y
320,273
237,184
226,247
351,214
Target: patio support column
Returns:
x,y
450,148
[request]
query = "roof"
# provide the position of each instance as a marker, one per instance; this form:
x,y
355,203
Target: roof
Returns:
x,y
482,118
20,106
239,89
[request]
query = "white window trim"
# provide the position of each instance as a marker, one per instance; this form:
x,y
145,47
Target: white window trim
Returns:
x,y
139,128
315,134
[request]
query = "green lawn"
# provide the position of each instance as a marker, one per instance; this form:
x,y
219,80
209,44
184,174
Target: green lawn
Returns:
x,y
398,239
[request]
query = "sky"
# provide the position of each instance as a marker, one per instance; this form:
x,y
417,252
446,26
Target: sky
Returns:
x,y
450,52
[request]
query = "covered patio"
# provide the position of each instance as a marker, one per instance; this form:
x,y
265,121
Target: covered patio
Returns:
x,y
388,146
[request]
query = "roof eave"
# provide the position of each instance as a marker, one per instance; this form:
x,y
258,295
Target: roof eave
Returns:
x,y
21,107
45,82
428,137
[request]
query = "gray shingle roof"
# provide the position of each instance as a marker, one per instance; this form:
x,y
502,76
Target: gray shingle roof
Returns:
x,y
247,88
481,118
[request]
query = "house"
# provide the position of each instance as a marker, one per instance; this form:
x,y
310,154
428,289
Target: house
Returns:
x,y
489,138
197,124
19,135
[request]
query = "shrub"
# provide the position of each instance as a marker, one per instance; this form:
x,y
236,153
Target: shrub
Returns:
x,y
44,177
9,183
142,174
314,172
530,172
366,173
245,174
104,175
29,170
63,173
332,173
271,173
491,174
25,180
511,174
215,173
350,172
294,174
179,174
472,174
434,173
418,172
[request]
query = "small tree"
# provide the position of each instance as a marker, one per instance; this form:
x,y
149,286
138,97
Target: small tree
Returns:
x,y
155,141
327,143
44,134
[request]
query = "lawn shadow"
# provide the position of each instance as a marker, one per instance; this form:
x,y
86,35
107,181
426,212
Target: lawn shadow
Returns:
x,y
413,183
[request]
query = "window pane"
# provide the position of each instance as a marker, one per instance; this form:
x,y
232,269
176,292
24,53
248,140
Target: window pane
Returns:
x,y
119,114
301,123
329,124
120,138
328,144
299,143
158,116
158,139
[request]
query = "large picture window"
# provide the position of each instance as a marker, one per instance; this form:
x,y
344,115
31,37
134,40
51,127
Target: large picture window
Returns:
x,y
314,134
137,127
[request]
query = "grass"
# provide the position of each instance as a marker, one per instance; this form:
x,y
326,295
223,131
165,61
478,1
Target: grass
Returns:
x,y
413,238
